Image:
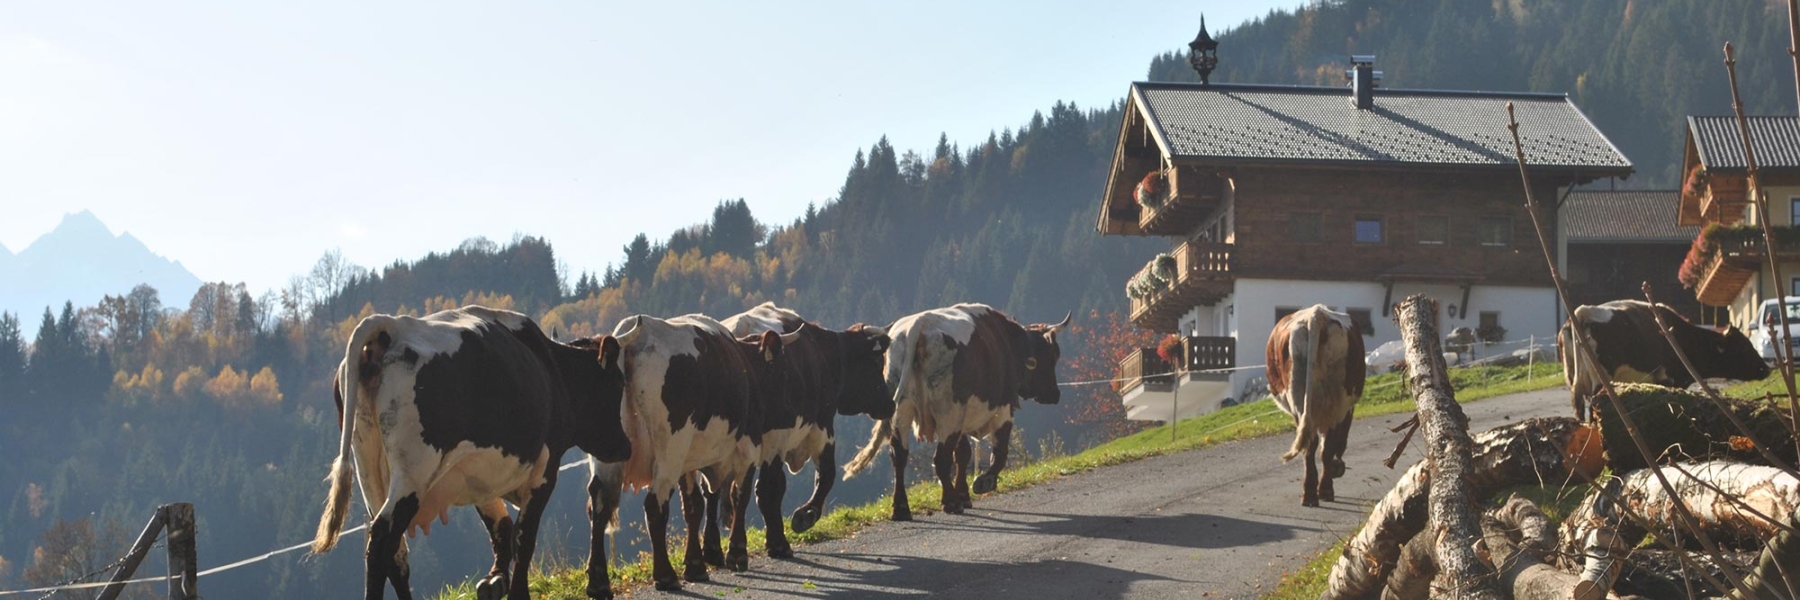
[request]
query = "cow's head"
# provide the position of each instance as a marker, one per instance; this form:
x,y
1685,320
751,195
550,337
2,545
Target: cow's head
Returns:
x,y
1041,352
598,410
1737,358
865,390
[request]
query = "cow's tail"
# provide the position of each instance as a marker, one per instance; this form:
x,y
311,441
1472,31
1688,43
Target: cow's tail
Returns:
x,y
883,430
337,503
1305,340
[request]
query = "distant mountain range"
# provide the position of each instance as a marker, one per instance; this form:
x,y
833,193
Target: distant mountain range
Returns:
x,y
82,261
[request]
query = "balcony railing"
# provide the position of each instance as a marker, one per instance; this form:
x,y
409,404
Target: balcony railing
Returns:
x,y
1205,357
1143,367
1203,276
1195,197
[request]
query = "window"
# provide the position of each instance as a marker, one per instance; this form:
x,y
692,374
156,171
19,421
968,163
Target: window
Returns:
x,y
1368,229
1434,230
1794,210
1364,323
1304,227
1495,231
1281,312
1490,330
1794,287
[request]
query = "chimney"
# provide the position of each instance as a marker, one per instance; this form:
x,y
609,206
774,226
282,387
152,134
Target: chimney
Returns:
x,y
1363,80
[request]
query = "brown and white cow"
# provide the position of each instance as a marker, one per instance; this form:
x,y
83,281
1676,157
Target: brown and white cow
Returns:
x,y
829,373
1630,349
959,372
693,407
471,406
1315,370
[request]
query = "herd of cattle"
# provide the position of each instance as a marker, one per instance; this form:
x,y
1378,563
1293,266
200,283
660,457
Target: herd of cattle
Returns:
x,y
476,407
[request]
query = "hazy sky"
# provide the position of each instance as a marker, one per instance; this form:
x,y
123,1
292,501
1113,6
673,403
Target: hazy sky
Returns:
x,y
246,138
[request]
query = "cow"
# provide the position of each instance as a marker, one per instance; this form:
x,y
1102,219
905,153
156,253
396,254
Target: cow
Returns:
x,y
829,373
472,406
958,372
1629,347
1315,368
692,408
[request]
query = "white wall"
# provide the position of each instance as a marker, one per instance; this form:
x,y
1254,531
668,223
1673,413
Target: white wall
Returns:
x,y
1524,311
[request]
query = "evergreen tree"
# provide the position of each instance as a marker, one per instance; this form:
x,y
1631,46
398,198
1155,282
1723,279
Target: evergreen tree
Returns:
x,y
733,230
12,360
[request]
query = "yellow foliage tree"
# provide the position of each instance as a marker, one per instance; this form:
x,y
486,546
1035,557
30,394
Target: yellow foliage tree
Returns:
x,y
264,390
229,389
189,381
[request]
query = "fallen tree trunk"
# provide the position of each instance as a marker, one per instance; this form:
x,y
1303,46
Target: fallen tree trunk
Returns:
x,y
1448,450
1530,452
1679,425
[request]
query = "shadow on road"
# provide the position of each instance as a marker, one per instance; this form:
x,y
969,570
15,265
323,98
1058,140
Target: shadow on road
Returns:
x,y
868,576
1196,531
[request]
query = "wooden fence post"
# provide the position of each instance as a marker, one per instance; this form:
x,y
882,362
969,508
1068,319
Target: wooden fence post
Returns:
x,y
138,549
183,564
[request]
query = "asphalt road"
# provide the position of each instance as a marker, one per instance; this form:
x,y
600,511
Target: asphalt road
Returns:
x,y
1219,522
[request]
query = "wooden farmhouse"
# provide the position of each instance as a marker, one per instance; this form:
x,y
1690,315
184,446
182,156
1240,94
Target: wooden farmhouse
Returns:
x,y
1613,242
1274,198
1726,266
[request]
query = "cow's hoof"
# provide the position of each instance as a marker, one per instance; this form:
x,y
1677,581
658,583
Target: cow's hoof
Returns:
x,y
781,551
714,557
901,514
671,584
693,574
953,507
738,562
804,519
985,484
604,593
492,587
1335,469
1310,502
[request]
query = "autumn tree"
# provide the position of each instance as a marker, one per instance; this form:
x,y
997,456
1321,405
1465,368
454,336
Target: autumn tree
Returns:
x,y
75,551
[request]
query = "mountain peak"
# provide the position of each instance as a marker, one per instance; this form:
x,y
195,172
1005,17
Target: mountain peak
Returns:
x,y
81,260
84,225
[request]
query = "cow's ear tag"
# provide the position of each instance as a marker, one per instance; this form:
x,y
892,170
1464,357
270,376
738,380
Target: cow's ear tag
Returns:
x,y
1031,363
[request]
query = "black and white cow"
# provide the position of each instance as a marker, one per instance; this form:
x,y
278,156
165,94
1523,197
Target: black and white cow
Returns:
x,y
958,372
829,373
1631,349
471,406
693,405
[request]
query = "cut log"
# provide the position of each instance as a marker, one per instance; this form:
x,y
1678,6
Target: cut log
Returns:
x,y
1448,451
1520,537
1592,544
1777,571
1679,425
1530,452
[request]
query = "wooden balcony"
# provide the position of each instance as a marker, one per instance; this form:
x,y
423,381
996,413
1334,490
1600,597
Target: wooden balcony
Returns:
x,y
1203,276
1194,196
1143,368
1205,357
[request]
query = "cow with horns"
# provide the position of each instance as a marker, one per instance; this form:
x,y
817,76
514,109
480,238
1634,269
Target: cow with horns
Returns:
x,y
472,406
693,410
958,372
1315,369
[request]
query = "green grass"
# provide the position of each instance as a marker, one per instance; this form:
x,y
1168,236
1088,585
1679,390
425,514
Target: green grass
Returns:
x,y
1382,395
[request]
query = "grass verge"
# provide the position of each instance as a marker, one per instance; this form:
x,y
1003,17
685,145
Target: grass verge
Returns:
x,y
1382,395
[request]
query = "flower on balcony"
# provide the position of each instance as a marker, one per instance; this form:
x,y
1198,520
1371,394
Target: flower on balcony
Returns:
x,y
1170,349
1153,191
1154,278
1716,238
1491,334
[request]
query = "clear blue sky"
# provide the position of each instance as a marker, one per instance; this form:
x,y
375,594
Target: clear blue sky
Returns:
x,y
247,138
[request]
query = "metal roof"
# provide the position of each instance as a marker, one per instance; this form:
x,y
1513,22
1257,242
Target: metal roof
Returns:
x,y
1631,216
1777,142
1233,123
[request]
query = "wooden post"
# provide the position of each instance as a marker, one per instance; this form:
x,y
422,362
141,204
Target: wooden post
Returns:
x,y
183,566
139,548
1462,573
1174,407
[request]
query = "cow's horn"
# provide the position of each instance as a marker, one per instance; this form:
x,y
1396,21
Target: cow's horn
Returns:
x,y
637,322
1064,323
790,338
